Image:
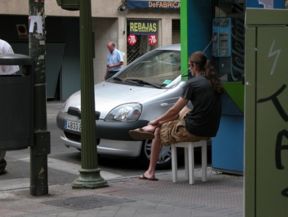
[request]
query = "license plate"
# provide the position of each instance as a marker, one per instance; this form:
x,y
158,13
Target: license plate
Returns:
x,y
73,126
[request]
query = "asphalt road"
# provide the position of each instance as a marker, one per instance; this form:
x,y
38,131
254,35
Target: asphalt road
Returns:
x,y
64,162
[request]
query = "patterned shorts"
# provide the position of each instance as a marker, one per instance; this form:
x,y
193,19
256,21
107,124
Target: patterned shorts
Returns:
x,y
175,131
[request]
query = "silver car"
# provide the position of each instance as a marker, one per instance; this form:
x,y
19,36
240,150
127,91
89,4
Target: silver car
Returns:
x,y
140,92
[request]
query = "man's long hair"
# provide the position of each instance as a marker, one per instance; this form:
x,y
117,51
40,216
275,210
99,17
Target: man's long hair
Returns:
x,y
208,70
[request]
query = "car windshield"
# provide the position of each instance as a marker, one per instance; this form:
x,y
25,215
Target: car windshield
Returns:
x,y
157,69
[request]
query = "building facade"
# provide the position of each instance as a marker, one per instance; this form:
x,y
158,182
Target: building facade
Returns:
x,y
135,26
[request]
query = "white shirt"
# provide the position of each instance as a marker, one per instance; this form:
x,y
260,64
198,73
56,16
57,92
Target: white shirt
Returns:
x,y
114,58
5,48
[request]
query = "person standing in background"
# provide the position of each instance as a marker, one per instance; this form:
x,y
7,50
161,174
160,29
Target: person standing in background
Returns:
x,y
114,60
5,48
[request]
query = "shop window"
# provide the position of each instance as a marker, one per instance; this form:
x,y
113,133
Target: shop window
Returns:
x,y
142,36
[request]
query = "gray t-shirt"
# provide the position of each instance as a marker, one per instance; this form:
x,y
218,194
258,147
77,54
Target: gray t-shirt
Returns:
x,y
205,116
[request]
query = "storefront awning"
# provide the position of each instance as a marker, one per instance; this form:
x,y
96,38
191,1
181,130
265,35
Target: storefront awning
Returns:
x,y
156,4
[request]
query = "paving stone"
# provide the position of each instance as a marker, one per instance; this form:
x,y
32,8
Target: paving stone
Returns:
x,y
220,196
125,212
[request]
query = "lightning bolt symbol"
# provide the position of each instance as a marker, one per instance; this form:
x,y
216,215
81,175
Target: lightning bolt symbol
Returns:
x,y
276,54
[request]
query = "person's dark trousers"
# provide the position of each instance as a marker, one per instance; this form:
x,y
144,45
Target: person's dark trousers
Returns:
x,y
109,74
3,162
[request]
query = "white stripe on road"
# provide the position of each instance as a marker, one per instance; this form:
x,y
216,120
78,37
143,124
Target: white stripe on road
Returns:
x,y
72,168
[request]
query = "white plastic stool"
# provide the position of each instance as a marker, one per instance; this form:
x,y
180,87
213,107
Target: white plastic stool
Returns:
x,y
189,159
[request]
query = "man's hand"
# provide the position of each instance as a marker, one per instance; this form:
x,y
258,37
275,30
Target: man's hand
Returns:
x,y
154,123
171,114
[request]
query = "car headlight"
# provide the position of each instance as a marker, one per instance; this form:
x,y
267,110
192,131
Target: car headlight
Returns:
x,y
125,113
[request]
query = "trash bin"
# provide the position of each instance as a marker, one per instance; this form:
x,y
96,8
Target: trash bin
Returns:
x,y
16,110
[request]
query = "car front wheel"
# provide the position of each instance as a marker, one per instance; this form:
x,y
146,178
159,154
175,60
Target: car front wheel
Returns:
x,y
164,161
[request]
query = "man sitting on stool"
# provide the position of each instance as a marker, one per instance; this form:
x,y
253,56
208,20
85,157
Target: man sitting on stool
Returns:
x,y
202,122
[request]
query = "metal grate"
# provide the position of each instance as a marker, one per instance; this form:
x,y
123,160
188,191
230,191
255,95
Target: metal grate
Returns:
x,y
133,52
140,48
238,32
87,202
73,136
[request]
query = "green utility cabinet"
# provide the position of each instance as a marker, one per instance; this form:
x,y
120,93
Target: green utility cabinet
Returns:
x,y
266,113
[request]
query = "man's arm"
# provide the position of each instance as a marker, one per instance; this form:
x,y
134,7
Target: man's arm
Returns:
x,y
116,65
120,61
172,113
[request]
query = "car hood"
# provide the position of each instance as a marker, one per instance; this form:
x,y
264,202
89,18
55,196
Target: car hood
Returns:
x,y
110,95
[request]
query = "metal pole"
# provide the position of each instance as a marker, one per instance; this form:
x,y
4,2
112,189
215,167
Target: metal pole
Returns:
x,y
41,145
90,173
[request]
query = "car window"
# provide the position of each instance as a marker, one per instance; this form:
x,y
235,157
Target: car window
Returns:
x,y
160,68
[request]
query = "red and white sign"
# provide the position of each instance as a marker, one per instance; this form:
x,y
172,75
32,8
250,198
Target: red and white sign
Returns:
x,y
152,40
132,39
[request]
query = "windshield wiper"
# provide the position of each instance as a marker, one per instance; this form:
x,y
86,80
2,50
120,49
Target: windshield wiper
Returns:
x,y
117,79
127,81
139,81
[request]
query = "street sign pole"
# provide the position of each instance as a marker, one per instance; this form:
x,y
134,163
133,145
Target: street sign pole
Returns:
x,y
89,173
41,145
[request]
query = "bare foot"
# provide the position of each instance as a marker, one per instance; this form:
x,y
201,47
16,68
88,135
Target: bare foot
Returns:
x,y
149,175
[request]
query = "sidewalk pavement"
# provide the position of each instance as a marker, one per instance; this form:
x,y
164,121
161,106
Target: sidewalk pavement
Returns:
x,y
220,196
